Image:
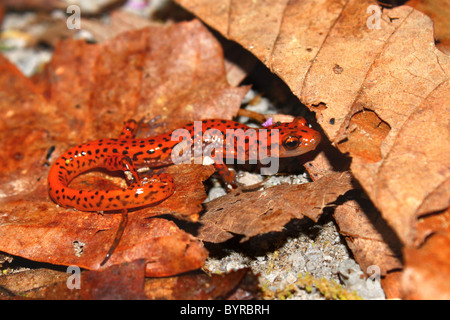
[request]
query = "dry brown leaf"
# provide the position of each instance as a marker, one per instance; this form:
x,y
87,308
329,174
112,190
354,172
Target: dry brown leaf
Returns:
x,y
428,269
119,282
2,12
240,284
253,213
28,281
127,281
154,81
391,284
370,239
40,5
120,21
37,230
439,11
435,223
123,281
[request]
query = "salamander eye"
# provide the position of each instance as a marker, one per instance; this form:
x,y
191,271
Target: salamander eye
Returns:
x,y
291,142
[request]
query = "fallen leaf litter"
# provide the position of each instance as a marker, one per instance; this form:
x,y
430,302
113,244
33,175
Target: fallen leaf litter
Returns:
x,y
321,257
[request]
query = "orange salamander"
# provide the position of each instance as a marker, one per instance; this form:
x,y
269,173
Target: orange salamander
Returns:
x,y
129,154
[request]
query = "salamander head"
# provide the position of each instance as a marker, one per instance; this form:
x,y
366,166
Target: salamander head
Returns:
x,y
296,137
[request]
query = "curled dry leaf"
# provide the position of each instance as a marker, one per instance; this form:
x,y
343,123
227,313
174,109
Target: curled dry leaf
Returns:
x,y
427,269
253,213
87,91
369,237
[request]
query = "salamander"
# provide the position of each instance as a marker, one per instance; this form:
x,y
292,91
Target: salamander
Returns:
x,y
210,140
128,153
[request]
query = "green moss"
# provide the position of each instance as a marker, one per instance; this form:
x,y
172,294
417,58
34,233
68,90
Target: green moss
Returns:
x,y
330,289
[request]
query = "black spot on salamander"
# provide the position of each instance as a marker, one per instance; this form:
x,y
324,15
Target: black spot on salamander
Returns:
x,y
136,155
124,152
150,151
164,150
115,150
